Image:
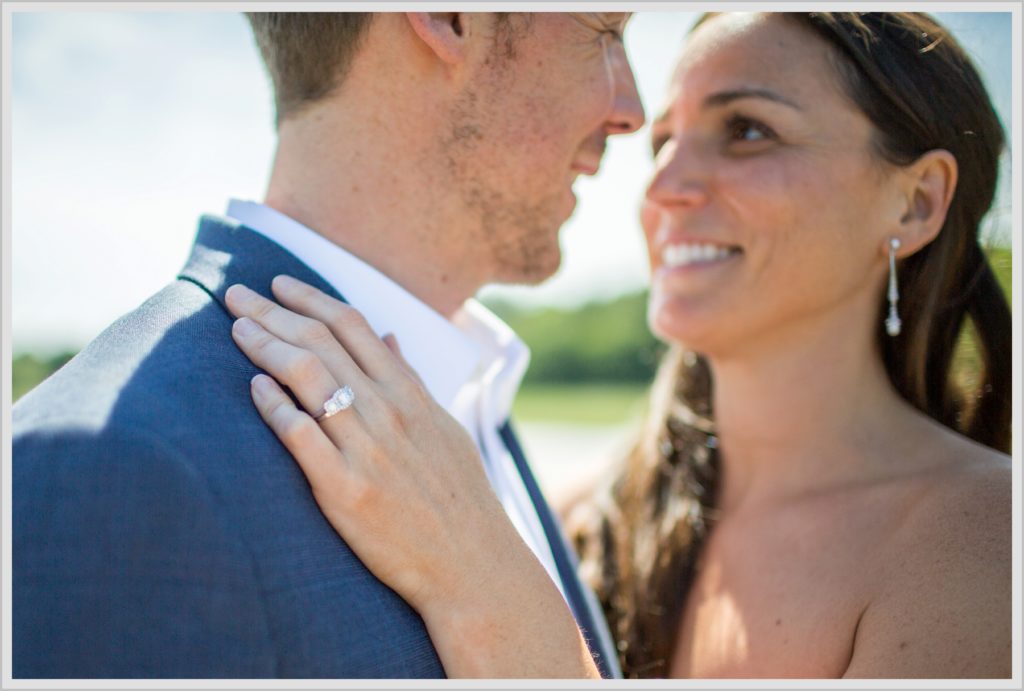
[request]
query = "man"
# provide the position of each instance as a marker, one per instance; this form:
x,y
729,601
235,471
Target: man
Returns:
x,y
159,527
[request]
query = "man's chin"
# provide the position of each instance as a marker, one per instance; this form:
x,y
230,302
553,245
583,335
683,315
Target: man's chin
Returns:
x,y
530,273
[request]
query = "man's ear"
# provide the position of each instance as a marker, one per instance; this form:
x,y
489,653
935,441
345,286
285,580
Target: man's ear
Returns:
x,y
444,33
930,185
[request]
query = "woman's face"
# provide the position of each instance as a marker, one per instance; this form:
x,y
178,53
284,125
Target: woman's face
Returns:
x,y
768,213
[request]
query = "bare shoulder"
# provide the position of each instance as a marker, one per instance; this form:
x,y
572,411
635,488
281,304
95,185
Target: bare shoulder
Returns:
x,y
963,510
943,607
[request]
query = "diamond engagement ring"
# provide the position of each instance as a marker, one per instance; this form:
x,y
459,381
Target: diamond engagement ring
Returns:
x,y
339,400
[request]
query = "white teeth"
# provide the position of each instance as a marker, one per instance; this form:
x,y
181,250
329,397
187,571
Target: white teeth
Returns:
x,y
685,254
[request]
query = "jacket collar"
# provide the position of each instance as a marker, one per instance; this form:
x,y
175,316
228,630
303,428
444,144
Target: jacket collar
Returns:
x,y
226,252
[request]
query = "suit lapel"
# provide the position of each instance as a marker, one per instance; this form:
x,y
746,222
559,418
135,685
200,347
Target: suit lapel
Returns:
x,y
581,599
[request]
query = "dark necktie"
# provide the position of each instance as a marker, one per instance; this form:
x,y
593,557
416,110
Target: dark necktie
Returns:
x,y
581,601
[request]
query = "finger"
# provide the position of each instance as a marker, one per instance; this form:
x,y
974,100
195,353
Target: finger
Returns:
x,y
303,372
298,330
298,369
391,341
347,324
323,464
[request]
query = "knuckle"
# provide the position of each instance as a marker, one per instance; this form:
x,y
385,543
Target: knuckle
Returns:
x,y
414,391
362,494
294,429
348,318
275,408
412,395
315,333
392,418
262,309
304,366
262,342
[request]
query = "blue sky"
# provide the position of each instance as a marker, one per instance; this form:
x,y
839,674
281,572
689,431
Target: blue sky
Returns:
x,y
126,126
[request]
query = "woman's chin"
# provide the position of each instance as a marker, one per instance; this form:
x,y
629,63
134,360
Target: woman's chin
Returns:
x,y
682,323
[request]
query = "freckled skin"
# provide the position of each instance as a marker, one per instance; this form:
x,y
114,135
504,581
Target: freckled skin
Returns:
x,y
515,137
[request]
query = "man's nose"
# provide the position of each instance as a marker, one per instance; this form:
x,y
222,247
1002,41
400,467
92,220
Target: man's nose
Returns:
x,y
627,114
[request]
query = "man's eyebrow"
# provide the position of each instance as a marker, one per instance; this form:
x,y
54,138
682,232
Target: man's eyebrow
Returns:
x,y
722,98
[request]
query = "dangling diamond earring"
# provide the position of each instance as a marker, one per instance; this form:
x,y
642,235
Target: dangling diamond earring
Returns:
x,y
892,322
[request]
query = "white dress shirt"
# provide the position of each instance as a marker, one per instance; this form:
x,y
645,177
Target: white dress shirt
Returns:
x,y
471,365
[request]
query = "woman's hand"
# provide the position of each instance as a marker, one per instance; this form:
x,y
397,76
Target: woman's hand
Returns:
x,y
403,484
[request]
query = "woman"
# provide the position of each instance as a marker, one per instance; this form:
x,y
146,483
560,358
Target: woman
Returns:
x,y
813,497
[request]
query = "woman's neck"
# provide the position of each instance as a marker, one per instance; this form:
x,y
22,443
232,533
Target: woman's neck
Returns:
x,y
805,412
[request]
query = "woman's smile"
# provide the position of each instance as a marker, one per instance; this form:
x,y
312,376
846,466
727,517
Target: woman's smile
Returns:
x,y
688,266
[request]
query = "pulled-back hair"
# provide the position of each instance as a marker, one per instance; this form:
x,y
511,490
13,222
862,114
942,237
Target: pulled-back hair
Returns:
x,y
640,540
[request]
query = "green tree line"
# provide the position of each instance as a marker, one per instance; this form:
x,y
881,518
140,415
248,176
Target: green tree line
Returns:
x,y
27,370
600,342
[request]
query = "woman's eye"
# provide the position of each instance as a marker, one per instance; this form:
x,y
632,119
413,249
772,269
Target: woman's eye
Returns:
x,y
658,142
747,130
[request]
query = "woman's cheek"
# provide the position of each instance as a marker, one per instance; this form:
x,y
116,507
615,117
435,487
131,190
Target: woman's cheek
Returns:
x,y
649,218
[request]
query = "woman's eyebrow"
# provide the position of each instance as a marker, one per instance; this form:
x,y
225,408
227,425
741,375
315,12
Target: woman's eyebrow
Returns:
x,y
722,98
717,100
658,134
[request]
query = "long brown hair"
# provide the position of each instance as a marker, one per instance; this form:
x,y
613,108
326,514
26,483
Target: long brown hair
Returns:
x,y
640,539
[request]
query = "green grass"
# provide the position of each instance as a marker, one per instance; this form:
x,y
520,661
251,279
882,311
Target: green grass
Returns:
x,y
1001,259
582,404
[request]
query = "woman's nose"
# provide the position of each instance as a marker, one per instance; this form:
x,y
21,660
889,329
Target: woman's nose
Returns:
x,y
680,176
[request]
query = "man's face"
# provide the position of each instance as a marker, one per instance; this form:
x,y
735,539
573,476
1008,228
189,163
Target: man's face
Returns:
x,y
554,87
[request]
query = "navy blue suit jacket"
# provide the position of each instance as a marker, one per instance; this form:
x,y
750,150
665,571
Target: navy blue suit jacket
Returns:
x,y
161,530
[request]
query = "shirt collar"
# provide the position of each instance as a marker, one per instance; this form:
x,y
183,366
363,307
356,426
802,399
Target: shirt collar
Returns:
x,y
444,356
505,359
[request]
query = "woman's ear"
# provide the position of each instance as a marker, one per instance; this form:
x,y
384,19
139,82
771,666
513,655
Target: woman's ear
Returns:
x,y
930,183
443,33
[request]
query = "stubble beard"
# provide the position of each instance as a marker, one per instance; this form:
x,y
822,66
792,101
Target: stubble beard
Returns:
x,y
521,233
521,237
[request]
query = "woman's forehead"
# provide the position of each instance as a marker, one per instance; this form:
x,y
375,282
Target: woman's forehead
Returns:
x,y
753,49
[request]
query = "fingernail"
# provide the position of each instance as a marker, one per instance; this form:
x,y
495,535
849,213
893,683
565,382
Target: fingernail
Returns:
x,y
261,386
238,293
286,282
245,327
